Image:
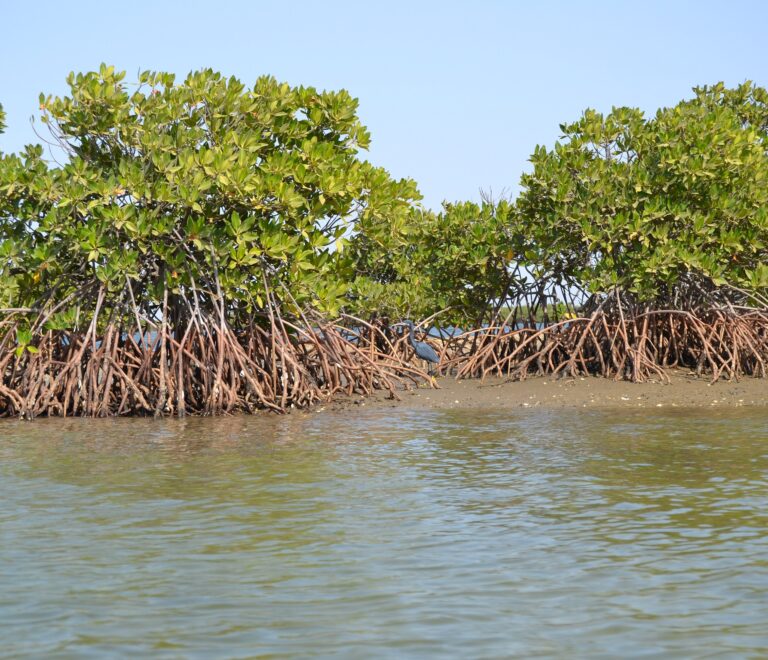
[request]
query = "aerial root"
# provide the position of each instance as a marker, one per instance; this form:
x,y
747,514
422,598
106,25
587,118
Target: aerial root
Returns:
x,y
275,363
209,369
721,343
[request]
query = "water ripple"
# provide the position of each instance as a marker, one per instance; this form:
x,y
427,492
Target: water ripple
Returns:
x,y
387,534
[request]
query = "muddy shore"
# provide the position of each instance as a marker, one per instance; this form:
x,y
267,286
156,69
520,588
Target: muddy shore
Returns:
x,y
684,390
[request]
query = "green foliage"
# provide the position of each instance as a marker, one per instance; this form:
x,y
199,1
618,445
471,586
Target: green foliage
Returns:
x,y
648,205
23,342
172,186
22,252
457,260
207,187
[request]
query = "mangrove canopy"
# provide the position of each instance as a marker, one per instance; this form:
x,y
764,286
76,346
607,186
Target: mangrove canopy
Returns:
x,y
205,219
204,246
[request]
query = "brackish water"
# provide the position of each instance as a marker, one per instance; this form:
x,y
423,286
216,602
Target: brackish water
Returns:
x,y
387,533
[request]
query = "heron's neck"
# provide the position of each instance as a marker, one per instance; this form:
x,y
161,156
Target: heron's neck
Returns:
x,y
413,336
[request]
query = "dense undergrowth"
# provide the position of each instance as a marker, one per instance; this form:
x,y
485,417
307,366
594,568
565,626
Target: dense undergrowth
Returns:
x,y
201,247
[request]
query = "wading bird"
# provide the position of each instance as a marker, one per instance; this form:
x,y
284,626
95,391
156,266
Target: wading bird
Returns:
x,y
422,348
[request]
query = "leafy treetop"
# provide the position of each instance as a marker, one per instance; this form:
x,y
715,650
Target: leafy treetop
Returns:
x,y
170,186
652,205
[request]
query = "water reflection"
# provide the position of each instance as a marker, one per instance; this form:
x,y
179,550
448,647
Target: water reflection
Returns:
x,y
393,532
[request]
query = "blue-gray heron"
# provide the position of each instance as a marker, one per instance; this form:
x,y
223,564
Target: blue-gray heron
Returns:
x,y
422,348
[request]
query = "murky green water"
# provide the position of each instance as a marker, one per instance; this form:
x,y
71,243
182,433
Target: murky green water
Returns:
x,y
388,533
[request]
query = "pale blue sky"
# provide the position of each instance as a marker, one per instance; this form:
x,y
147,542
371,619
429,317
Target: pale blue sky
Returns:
x,y
456,94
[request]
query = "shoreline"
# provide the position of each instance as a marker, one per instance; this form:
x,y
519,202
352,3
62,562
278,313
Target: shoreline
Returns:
x,y
684,390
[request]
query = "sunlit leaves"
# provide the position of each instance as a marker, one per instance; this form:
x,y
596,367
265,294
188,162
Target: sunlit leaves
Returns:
x,y
456,260
166,182
646,204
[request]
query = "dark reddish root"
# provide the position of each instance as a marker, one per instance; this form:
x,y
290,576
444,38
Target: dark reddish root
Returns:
x,y
721,343
272,363
209,369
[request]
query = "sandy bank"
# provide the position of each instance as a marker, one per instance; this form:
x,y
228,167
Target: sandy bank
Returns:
x,y
684,390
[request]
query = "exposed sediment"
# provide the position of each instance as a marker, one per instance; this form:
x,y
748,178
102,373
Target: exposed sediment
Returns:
x,y
680,389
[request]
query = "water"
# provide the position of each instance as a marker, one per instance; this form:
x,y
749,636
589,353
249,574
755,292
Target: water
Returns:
x,y
388,533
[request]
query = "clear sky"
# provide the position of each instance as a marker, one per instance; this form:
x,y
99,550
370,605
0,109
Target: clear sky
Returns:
x,y
456,94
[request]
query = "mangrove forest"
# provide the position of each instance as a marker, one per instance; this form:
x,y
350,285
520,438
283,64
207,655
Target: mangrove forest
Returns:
x,y
206,247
